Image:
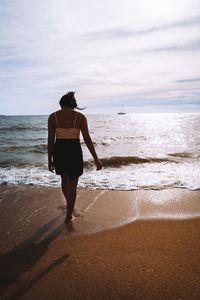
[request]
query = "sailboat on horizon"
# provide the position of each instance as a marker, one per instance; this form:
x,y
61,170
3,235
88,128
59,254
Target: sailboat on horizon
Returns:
x,y
122,112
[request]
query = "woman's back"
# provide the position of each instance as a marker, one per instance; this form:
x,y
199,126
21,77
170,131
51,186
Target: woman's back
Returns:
x,y
67,124
67,118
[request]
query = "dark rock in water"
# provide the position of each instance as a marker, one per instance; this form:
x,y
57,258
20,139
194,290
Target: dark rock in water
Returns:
x,y
4,183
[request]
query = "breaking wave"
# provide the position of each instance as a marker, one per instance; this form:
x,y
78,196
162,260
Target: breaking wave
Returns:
x,y
41,148
22,128
181,154
118,161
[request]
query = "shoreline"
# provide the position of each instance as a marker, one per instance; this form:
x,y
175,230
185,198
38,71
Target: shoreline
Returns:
x,y
24,209
125,256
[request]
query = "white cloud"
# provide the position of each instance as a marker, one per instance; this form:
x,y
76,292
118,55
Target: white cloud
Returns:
x,y
106,50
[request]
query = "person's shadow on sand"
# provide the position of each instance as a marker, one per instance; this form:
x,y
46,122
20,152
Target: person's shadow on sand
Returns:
x,y
16,262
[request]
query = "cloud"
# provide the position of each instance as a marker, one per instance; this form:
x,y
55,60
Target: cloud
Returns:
x,y
188,80
124,33
105,51
189,46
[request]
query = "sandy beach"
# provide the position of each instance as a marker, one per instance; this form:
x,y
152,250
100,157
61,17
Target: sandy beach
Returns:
x,y
122,245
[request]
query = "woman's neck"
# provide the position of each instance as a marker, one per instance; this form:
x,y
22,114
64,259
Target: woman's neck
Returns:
x,y
67,108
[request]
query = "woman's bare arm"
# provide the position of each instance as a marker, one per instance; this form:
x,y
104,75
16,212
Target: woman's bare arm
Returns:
x,y
51,139
89,143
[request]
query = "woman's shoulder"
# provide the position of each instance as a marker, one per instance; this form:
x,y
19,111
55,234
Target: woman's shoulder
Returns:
x,y
52,115
55,112
81,115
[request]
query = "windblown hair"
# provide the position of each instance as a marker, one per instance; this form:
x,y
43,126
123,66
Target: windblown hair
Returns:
x,y
68,100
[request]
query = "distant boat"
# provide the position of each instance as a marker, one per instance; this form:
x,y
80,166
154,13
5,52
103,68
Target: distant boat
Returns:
x,y
122,112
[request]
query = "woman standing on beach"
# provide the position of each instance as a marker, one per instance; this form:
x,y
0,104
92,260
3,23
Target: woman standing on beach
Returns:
x,y
65,153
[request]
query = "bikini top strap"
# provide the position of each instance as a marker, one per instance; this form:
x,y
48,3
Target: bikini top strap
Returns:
x,y
75,119
56,119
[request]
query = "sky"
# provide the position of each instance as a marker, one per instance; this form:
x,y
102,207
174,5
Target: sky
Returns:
x,y
144,54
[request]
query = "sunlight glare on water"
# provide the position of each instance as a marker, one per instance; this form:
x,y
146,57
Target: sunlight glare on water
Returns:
x,y
138,151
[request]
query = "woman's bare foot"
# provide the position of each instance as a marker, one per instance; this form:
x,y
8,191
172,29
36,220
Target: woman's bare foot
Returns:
x,y
75,214
69,219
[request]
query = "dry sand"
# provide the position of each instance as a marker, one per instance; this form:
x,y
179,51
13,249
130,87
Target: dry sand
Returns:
x,y
122,245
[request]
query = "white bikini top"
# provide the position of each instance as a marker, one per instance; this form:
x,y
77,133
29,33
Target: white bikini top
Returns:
x,y
67,133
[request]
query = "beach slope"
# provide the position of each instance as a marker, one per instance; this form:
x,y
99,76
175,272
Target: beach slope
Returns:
x,y
130,254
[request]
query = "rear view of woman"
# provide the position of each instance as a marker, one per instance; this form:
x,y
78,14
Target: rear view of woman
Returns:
x,y
64,149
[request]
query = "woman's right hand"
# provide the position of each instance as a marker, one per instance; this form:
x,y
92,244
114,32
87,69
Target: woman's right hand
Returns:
x,y
51,166
98,165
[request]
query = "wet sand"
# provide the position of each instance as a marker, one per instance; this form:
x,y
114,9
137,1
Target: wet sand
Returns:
x,y
122,245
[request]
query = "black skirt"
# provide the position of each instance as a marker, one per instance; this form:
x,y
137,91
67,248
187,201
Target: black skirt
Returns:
x,y
68,157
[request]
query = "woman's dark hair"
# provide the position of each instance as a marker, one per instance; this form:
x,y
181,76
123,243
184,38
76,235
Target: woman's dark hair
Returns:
x,y
69,100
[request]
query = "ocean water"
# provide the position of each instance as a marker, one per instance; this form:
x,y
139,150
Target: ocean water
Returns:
x,y
138,151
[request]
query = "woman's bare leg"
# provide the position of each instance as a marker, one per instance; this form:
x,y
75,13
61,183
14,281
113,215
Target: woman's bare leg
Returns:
x,y
69,187
64,186
72,191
